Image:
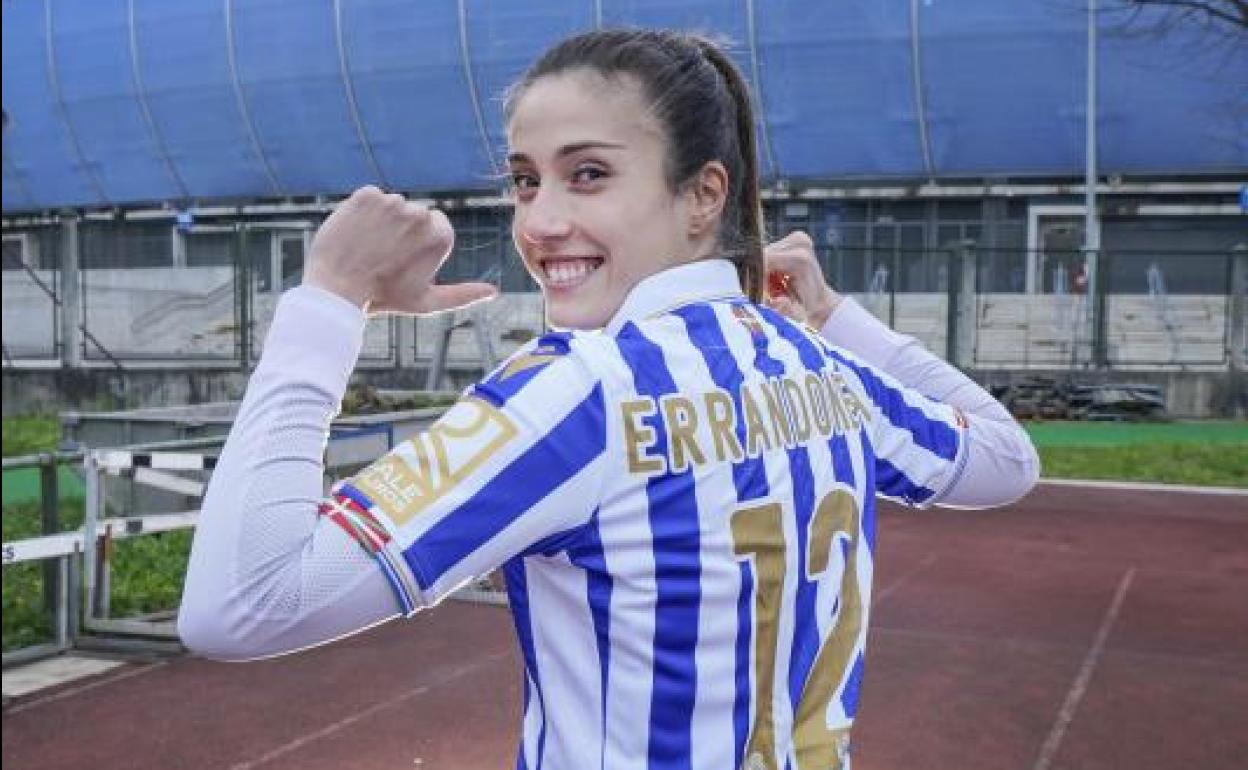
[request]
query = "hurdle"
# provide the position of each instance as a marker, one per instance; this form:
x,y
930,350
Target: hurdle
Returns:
x,y
99,530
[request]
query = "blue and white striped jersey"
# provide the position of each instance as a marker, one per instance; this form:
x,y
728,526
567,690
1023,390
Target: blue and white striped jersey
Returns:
x,y
684,506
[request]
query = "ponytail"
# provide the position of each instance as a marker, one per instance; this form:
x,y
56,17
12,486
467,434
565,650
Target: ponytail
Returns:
x,y
744,214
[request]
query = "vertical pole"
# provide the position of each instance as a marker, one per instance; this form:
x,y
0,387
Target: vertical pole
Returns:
x,y
893,278
441,343
63,614
71,292
51,525
1237,333
963,354
91,476
242,274
1091,222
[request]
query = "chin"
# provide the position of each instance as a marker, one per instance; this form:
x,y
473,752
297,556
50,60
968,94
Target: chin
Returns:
x,y
574,318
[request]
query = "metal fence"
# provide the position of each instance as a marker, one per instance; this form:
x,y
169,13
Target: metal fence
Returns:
x,y
993,308
979,307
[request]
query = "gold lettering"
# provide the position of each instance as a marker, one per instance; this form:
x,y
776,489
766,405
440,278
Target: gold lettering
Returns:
x,y
719,413
638,437
801,413
856,405
775,409
840,416
755,431
682,423
818,405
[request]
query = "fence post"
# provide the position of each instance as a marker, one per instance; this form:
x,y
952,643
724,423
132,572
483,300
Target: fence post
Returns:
x,y
1237,332
49,502
242,277
1098,307
960,308
71,319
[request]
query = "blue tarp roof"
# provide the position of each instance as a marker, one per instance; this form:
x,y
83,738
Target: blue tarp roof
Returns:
x,y
117,103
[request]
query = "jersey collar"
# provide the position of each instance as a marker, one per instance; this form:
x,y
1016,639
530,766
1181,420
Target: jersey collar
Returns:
x,y
676,286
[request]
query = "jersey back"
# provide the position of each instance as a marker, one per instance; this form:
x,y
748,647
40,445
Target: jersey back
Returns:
x,y
685,512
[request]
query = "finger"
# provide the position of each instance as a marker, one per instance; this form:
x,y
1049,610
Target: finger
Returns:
x,y
364,194
797,238
779,283
452,296
785,261
415,210
787,307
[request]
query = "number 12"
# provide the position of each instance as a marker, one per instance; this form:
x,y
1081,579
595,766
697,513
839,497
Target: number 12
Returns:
x,y
758,535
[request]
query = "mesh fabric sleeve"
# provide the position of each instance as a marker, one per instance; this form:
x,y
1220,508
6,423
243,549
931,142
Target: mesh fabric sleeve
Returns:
x,y
996,462
267,574
278,564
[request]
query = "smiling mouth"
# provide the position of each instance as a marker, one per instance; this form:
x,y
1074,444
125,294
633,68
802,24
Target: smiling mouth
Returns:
x,y
568,272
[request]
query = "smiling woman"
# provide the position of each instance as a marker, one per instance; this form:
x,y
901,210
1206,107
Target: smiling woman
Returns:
x,y
613,181
679,482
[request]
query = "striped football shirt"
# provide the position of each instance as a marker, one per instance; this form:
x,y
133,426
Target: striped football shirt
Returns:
x,y
684,507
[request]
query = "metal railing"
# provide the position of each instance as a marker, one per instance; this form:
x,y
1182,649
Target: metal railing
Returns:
x,y
981,307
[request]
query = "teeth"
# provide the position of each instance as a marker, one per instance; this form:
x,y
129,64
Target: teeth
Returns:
x,y
568,272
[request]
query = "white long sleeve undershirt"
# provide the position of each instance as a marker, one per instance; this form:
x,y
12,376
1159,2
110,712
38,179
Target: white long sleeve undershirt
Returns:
x,y
1002,465
268,575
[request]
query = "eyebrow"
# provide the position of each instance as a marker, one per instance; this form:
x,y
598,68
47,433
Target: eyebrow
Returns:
x,y
568,149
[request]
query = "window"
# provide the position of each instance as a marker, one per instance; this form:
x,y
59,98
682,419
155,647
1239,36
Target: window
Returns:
x,y
204,249
20,249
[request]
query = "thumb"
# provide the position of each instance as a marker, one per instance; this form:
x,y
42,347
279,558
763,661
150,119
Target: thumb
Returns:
x,y
438,298
453,296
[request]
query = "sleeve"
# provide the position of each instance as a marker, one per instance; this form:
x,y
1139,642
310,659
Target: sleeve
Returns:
x,y
277,565
943,440
517,461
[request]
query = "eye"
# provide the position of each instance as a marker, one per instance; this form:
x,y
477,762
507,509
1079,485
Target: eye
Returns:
x,y
523,183
587,175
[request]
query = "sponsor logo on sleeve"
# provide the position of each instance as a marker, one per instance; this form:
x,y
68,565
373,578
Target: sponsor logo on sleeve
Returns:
x,y
417,474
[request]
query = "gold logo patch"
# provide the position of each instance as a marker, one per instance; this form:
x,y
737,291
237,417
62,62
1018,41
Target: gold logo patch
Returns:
x,y
525,362
420,471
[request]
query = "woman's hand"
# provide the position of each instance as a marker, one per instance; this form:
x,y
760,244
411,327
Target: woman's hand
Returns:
x,y
796,286
381,252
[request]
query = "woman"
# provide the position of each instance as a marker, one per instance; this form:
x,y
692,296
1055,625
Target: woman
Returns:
x,y
679,486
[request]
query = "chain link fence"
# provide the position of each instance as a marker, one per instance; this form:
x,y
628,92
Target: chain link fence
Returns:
x,y
147,293
978,308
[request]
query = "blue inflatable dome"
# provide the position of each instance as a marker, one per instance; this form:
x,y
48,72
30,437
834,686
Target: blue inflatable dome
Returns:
x,y
129,102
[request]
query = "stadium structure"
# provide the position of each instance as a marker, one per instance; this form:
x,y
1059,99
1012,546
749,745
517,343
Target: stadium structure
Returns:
x,y
1031,188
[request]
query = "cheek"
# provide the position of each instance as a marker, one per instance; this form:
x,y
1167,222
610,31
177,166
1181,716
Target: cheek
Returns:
x,y
517,236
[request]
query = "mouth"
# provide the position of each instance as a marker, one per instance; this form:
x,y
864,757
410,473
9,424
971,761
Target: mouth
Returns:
x,y
568,272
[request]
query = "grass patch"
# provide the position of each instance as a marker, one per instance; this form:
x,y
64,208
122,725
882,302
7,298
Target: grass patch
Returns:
x,y
1109,434
147,574
25,620
1213,453
28,435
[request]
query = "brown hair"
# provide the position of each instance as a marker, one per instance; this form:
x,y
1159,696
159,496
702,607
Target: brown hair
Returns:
x,y
701,100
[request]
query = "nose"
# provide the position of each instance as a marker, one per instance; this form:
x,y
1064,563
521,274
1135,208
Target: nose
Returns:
x,y
544,218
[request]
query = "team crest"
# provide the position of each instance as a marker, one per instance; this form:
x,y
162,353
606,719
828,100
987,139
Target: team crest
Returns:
x,y
750,320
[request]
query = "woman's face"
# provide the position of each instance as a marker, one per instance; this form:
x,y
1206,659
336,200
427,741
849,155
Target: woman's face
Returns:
x,y
593,211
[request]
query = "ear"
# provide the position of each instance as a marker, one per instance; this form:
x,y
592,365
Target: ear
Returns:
x,y
707,193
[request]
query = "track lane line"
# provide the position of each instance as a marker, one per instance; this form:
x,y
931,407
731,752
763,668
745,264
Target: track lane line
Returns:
x,y
1048,751
334,727
1146,486
20,707
884,593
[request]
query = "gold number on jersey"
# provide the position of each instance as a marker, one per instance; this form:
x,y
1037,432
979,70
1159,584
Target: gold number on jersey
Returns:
x,y
758,535
818,746
758,532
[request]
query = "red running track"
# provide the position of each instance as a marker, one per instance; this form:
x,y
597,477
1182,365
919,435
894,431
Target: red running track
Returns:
x,y
1081,629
